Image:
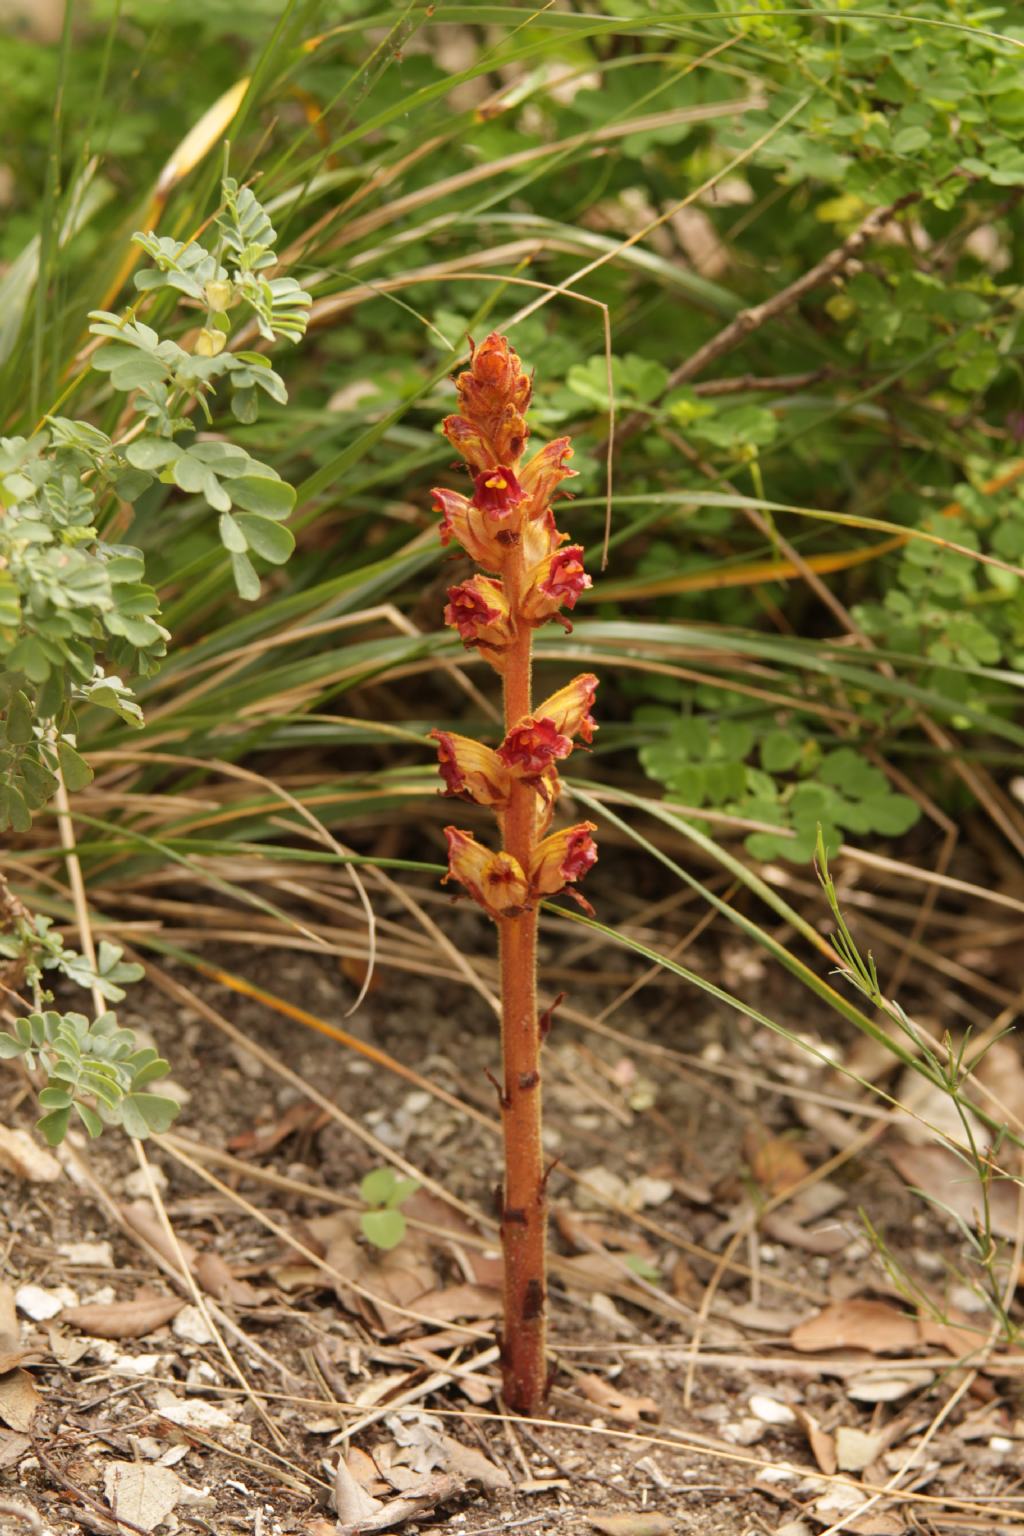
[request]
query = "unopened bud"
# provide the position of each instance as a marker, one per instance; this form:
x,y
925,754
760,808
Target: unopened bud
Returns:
x,y
209,343
218,294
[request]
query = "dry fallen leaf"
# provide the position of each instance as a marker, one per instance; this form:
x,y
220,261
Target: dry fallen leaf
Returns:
x,y
620,1405
123,1319
776,1162
460,1303
425,1449
822,1445
18,1396
218,1279
889,1386
140,1492
26,1158
857,1448
640,1523
360,1514
18,1400
13,1447
857,1323
958,1335
10,1359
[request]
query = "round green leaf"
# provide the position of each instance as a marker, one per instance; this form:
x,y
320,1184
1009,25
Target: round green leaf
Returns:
x,y
384,1229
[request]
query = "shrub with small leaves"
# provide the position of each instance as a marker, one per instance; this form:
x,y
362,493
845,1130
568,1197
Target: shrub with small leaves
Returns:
x,y
76,614
96,1069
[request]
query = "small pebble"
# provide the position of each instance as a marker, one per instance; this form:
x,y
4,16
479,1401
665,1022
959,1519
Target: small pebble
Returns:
x,y
39,1304
770,1411
191,1326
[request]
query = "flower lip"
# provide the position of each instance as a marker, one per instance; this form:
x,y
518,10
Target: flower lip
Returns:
x,y
495,880
562,859
566,577
555,582
532,746
497,491
580,851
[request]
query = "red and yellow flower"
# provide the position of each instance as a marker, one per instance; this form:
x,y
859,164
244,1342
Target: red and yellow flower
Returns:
x,y
472,771
569,708
478,609
494,880
562,859
555,583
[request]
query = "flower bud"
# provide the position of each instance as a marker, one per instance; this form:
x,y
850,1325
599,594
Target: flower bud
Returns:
x,y
531,747
569,709
209,342
493,394
479,611
563,858
495,880
497,492
555,583
218,294
472,770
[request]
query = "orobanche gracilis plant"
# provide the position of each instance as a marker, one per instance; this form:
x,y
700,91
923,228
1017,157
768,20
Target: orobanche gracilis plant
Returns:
x,y
507,526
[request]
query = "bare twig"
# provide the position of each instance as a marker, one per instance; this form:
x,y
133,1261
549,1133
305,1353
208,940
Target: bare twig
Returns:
x,y
750,320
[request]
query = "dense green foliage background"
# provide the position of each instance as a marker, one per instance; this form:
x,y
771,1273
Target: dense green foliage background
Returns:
x,y
811,613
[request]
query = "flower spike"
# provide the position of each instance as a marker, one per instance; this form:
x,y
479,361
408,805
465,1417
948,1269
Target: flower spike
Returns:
x,y
528,573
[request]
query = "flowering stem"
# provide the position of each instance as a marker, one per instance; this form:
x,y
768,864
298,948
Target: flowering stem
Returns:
x,y
524,1210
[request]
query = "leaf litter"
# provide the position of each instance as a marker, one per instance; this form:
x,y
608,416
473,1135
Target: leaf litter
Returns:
x,y
791,1343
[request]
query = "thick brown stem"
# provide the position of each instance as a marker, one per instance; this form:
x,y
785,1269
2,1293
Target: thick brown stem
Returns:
x,y
524,1216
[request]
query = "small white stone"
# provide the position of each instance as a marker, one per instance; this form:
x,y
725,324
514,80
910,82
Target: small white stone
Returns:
x,y
201,1374
191,1326
137,1365
746,1432
647,1191
137,1186
770,1411
40,1304
778,1472
100,1254
1000,1444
